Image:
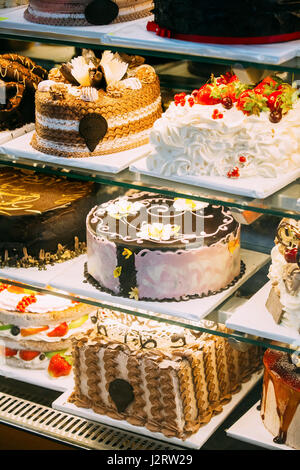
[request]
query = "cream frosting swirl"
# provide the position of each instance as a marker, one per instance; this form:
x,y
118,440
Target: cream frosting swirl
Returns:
x,y
187,140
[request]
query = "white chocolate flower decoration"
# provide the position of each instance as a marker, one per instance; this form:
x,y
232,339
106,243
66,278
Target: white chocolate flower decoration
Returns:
x,y
188,204
158,231
122,208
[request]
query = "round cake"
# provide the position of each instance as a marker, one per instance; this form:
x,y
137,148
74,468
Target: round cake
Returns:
x,y
280,410
284,298
231,129
19,78
257,22
36,329
86,12
148,246
92,107
42,217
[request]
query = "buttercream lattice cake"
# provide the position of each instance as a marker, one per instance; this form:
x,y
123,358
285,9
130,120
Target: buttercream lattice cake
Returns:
x,y
36,329
172,389
86,12
92,107
42,217
231,129
147,246
284,298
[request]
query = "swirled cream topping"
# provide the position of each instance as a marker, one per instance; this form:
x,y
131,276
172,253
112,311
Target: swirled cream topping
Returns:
x,y
211,140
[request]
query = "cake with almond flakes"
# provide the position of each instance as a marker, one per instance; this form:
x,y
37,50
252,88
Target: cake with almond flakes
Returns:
x,y
36,329
230,129
92,107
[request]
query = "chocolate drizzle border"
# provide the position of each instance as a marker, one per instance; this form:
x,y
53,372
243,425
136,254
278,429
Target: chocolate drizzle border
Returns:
x,y
89,279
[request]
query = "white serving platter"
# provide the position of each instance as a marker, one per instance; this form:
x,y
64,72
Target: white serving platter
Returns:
x,y
14,20
136,35
196,441
254,318
37,377
113,163
256,187
6,136
249,428
34,276
72,280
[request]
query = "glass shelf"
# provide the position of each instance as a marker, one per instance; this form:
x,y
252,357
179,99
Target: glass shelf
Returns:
x,y
284,203
214,323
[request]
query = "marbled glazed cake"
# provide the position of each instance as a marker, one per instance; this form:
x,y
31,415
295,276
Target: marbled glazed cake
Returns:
x,y
257,22
284,298
86,12
36,329
280,405
231,129
147,246
42,217
92,107
157,377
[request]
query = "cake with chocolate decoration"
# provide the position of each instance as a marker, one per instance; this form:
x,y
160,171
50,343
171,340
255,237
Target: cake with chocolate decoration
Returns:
x,y
92,107
284,298
230,129
151,247
86,12
19,79
36,329
168,382
257,22
280,404
42,217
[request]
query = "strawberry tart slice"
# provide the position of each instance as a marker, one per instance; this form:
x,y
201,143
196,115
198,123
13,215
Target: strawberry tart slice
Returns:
x,y
36,329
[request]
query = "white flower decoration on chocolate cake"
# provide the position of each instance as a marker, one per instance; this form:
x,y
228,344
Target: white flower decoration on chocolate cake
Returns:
x,y
123,208
158,231
188,204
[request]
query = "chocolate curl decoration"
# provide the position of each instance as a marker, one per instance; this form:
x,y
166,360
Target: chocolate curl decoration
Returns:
x,y
100,13
121,393
288,235
92,128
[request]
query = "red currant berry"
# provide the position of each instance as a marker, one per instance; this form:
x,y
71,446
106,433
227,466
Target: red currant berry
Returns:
x,y
290,256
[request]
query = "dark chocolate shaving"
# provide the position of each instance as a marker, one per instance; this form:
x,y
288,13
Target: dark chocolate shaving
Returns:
x,y
121,393
66,71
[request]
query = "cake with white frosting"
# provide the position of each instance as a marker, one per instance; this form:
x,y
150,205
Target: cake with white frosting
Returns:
x,y
168,382
229,129
280,404
36,329
284,298
151,247
86,12
92,107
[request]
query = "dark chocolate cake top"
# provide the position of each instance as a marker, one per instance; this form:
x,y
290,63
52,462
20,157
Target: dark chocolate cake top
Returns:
x,y
29,193
147,220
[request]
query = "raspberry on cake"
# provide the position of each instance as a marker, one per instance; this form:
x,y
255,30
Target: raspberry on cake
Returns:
x,y
147,246
231,129
36,329
92,107
86,12
284,299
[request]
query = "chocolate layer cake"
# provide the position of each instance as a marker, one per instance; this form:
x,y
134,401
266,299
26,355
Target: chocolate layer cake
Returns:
x,y
42,217
257,21
148,246
91,107
86,12
280,406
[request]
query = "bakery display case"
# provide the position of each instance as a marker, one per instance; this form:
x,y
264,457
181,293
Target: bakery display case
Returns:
x,y
198,324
